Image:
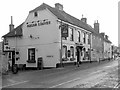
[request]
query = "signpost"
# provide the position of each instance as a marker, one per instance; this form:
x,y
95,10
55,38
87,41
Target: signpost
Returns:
x,y
64,33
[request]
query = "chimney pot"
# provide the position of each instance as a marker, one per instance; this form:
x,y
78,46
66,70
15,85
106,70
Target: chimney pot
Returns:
x,y
103,34
106,37
59,6
96,26
11,26
84,19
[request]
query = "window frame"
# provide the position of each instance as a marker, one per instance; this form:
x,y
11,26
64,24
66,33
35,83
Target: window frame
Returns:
x,y
65,54
89,38
72,34
72,51
84,37
35,14
79,36
31,59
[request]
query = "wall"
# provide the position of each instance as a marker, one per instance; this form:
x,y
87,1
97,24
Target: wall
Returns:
x,y
107,50
0,57
45,39
97,47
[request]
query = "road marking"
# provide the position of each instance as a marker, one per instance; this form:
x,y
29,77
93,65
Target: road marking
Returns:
x,y
96,72
12,81
15,84
64,83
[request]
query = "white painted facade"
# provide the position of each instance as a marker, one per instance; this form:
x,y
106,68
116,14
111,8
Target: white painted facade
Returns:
x,y
46,39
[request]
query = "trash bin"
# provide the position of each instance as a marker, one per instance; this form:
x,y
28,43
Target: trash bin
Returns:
x,y
15,69
40,63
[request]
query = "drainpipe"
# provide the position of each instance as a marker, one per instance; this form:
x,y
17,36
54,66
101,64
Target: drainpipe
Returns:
x,y
90,46
61,64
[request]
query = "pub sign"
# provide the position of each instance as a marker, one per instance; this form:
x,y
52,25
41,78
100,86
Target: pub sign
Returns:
x,y
64,30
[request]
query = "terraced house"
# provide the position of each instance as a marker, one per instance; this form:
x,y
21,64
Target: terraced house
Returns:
x,y
51,34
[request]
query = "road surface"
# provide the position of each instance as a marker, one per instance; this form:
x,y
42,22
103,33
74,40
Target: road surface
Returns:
x,y
65,77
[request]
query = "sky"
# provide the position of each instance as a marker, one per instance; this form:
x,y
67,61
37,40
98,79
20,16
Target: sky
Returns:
x,y
105,11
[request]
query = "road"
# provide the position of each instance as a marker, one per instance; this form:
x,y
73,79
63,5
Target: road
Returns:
x,y
65,77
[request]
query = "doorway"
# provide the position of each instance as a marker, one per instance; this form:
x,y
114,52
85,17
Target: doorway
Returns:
x,y
78,55
79,52
13,58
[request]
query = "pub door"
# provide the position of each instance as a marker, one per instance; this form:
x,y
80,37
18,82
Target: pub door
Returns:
x,y
78,55
79,51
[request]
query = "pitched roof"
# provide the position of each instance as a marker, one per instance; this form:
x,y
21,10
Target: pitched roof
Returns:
x,y
12,33
62,15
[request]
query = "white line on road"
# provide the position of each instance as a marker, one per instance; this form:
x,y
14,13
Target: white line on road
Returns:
x,y
96,72
15,84
64,83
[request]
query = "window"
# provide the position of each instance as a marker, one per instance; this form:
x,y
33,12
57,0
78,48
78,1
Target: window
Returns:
x,y
64,52
72,51
84,50
35,14
89,38
84,38
31,55
78,36
71,35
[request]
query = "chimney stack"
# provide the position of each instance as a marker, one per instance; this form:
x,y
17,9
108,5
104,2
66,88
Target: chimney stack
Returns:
x,y
59,6
11,26
103,34
84,19
106,36
96,26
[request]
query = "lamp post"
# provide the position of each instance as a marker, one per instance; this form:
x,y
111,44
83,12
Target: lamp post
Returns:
x,y
15,68
15,44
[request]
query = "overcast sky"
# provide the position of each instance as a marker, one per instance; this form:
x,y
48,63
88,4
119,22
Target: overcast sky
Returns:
x,y
105,11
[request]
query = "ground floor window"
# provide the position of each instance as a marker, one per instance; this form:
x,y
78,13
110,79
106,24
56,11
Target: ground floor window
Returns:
x,y
72,51
31,55
64,52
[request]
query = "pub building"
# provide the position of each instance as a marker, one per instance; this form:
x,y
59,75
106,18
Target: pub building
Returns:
x,y
48,34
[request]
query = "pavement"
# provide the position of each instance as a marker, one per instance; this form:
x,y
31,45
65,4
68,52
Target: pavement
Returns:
x,y
64,77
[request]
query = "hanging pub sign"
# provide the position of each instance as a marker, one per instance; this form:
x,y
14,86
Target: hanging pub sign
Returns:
x,y
7,48
64,30
38,23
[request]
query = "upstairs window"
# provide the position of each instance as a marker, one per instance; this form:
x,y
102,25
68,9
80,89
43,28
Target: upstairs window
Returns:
x,y
84,38
71,35
78,36
35,14
89,38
